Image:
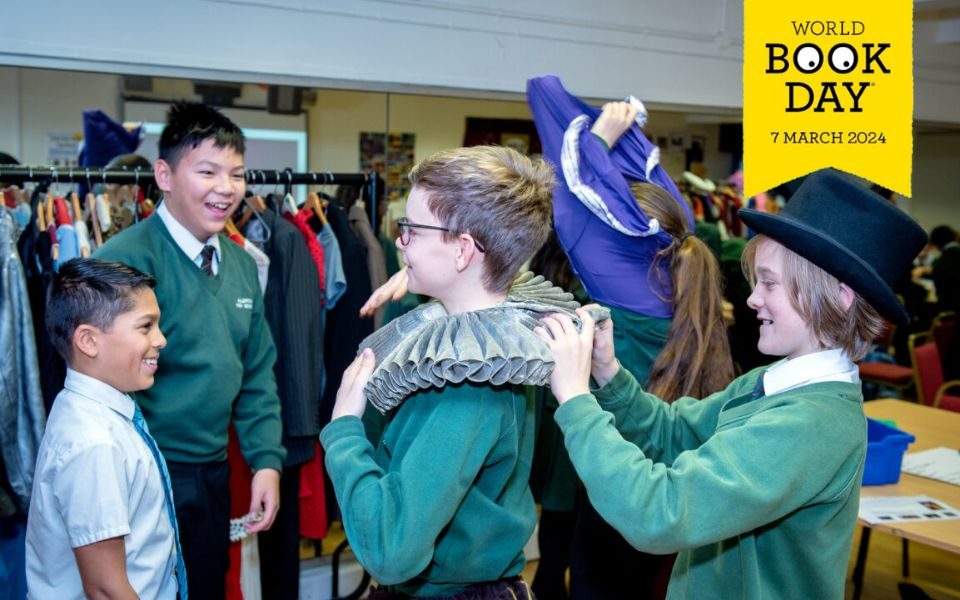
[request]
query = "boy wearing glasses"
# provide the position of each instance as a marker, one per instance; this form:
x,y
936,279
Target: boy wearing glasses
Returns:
x,y
441,507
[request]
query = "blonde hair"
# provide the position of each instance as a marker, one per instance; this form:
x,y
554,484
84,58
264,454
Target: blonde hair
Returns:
x,y
695,360
500,197
814,294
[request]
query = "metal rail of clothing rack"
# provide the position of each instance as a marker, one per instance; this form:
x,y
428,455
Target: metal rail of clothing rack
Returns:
x,y
46,175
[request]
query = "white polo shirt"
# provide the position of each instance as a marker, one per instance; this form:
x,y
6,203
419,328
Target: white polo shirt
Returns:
x,y
96,479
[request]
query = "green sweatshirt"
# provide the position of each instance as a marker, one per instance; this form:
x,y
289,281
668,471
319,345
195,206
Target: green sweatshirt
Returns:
x,y
760,497
443,501
218,362
638,340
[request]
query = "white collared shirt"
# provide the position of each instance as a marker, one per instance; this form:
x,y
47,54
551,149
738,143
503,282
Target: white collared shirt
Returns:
x,y
96,479
185,240
826,365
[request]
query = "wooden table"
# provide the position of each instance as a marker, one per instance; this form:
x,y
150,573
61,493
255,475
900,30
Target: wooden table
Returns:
x,y
933,428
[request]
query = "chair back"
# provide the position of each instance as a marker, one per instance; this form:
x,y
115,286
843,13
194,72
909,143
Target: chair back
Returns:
x,y
943,328
927,370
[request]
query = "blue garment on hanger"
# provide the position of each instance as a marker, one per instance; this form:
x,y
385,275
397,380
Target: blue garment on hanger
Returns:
x,y
611,245
336,279
22,414
69,245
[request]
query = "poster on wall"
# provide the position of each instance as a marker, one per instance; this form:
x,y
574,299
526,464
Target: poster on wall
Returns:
x,y
63,148
391,157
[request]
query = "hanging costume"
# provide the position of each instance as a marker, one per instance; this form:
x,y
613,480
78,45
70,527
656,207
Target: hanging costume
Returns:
x,y
594,197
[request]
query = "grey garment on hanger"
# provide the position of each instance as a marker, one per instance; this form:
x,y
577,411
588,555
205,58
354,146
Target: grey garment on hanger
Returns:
x,y
22,416
427,348
376,262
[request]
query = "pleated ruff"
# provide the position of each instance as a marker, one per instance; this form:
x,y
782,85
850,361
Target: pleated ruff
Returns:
x,y
427,348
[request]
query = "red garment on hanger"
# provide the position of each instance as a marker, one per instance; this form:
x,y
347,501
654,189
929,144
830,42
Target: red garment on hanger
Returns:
x,y
302,223
240,479
313,507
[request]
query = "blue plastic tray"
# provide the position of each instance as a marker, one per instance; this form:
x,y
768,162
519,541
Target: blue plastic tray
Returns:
x,y
885,448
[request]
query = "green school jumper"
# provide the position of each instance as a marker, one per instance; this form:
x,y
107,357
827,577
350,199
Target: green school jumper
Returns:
x,y
218,362
442,502
759,496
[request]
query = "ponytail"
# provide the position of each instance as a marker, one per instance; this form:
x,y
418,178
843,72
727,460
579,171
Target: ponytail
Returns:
x,y
696,359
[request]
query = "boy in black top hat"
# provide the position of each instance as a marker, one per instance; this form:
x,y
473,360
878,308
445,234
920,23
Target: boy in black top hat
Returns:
x,y
757,486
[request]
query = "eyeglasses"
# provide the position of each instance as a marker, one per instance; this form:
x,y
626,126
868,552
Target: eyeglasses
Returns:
x,y
404,226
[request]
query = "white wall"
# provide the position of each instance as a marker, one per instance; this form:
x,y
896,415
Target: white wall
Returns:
x,y
685,51
35,102
336,121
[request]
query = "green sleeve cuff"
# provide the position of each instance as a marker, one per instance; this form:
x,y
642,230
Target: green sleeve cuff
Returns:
x,y
575,409
602,141
268,462
617,389
340,428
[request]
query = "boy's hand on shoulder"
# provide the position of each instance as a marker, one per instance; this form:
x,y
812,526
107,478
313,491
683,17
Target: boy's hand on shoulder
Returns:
x,y
394,289
350,398
265,497
571,353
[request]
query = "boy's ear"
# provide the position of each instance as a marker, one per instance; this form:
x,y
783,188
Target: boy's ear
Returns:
x,y
162,174
466,251
85,340
847,296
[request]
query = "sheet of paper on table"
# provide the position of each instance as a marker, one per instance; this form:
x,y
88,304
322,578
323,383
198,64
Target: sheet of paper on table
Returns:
x,y
942,464
899,509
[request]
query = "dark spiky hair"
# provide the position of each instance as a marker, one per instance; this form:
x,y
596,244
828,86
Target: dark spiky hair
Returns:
x,y
189,124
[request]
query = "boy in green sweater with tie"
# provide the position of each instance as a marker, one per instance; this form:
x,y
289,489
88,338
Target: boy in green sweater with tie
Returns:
x,y
756,486
441,506
218,365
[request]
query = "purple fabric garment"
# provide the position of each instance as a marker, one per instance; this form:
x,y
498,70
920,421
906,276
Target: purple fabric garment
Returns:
x,y
612,266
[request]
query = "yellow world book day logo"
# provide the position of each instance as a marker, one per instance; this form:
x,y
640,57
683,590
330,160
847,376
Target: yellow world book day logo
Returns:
x,y
828,84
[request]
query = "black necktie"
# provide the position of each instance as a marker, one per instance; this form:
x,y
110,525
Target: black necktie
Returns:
x,y
206,259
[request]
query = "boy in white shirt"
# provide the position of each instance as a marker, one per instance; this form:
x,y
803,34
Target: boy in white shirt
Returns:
x,y
101,521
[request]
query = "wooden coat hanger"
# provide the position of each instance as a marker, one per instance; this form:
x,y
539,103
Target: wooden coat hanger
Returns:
x,y
41,219
91,202
52,229
230,228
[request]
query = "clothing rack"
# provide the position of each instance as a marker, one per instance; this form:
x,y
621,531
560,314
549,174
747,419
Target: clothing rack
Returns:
x,y
46,175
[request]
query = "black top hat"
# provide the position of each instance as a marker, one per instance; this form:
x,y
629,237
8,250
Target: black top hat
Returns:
x,y
850,232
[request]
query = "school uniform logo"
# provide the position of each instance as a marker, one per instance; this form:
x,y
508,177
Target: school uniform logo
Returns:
x,y
828,84
246,303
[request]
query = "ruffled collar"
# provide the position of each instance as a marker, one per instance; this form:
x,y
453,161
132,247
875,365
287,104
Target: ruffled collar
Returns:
x,y
427,347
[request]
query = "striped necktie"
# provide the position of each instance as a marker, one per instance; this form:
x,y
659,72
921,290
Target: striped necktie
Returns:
x,y
141,426
758,391
206,259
